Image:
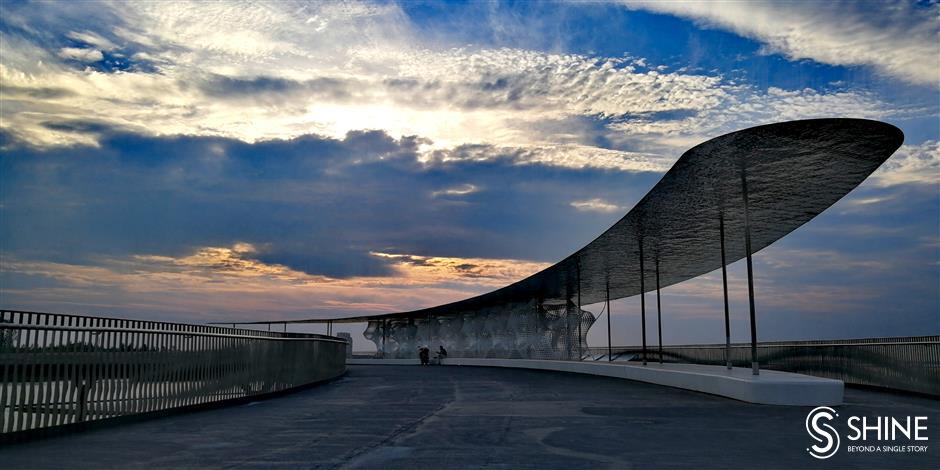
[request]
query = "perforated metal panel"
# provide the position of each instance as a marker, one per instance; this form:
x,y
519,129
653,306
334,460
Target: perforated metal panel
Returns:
x,y
518,330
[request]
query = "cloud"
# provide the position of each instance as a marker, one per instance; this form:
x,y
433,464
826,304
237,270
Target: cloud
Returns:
x,y
596,205
234,261
566,156
81,54
911,164
92,39
311,204
226,283
897,38
461,190
503,98
493,273
748,107
262,72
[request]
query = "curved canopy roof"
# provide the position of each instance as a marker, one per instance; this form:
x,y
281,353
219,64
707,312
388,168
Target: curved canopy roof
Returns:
x,y
794,171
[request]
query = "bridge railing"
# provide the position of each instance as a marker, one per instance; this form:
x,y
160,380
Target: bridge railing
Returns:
x,y
901,363
58,370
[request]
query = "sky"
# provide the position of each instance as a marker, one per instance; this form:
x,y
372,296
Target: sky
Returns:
x,y
228,161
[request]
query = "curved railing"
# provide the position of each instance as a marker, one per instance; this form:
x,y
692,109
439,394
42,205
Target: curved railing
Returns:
x,y
910,364
60,370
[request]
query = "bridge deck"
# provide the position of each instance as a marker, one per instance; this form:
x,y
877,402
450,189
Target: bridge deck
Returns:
x,y
446,417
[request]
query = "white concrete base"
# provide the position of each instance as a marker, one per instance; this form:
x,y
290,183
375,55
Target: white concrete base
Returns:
x,y
769,388
383,362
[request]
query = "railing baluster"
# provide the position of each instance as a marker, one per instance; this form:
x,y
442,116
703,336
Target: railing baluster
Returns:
x,y
185,349
137,368
118,358
104,372
44,374
174,366
59,355
113,384
177,370
6,350
202,361
22,414
11,381
97,365
161,368
153,364
143,385
68,401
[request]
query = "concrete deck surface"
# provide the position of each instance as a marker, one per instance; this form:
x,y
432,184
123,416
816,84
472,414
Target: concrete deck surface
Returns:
x,y
472,417
771,387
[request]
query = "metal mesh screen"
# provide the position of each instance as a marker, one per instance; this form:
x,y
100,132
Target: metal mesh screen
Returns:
x,y
517,330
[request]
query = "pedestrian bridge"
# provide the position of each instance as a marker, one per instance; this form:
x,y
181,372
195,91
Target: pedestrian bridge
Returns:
x,y
724,200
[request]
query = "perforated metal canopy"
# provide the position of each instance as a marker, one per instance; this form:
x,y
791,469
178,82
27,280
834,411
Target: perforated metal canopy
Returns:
x,y
794,171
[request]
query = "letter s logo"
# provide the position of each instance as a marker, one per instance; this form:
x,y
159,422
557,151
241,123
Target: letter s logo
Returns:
x,y
822,433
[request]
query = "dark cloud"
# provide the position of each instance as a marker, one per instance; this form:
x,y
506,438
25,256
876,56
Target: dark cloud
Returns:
x,y
78,126
254,87
42,93
315,204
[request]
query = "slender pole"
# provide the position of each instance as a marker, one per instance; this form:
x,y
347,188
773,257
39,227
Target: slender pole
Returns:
x,y
269,327
567,333
659,314
384,331
580,351
755,369
285,327
724,285
643,300
610,355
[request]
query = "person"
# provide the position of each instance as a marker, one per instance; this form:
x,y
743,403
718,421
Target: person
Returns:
x,y
425,354
441,354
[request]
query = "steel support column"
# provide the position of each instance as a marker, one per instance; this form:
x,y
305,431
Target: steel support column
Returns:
x,y
567,334
755,369
659,314
724,285
643,300
384,331
610,356
580,351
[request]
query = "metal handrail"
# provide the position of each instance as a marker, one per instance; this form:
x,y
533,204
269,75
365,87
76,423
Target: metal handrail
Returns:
x,y
61,370
8,326
910,363
778,344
